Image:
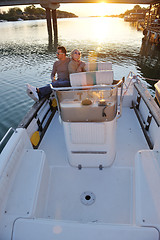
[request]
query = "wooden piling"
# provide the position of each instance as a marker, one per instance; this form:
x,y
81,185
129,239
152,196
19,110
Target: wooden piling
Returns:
x,y
55,28
49,24
51,6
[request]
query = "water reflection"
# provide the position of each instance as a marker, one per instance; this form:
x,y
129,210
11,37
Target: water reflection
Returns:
x,y
26,56
149,61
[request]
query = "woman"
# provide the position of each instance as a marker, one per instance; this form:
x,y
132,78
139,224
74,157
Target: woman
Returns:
x,y
76,65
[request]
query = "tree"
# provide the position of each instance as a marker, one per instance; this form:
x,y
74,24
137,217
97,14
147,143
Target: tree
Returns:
x,y
31,10
13,14
15,11
40,12
137,9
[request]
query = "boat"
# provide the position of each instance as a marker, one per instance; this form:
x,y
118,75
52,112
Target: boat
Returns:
x,y
1,20
134,17
20,19
84,163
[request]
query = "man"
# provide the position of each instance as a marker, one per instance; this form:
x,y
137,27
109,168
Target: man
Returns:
x,y
61,68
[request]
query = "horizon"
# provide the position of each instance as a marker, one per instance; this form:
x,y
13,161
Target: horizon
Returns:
x,y
89,9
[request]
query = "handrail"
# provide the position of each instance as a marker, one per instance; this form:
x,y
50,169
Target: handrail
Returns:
x,y
121,99
149,101
89,86
118,84
5,136
132,75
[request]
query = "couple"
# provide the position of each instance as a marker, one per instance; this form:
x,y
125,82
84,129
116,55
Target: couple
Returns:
x,y
63,67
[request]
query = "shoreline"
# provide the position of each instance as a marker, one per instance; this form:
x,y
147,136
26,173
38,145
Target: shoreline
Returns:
x,y
24,20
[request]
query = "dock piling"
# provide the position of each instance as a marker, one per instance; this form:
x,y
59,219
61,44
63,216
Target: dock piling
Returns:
x,y
49,6
49,24
55,28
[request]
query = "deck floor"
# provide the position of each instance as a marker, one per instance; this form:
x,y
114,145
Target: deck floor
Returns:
x,y
67,200
67,184
129,140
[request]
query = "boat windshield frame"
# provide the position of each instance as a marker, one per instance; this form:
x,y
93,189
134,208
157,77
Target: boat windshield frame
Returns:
x,y
103,86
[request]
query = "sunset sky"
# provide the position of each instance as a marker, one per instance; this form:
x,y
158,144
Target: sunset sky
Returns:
x,y
96,9
92,9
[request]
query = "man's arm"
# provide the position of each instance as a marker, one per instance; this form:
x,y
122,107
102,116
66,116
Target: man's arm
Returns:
x,y
54,70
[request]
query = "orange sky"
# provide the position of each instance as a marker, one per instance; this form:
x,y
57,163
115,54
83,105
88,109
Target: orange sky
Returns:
x,y
96,9
92,9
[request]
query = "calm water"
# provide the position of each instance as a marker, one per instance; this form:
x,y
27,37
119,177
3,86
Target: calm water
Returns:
x,y
26,57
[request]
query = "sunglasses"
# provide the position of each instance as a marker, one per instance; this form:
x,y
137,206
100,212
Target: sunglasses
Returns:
x,y
59,53
77,53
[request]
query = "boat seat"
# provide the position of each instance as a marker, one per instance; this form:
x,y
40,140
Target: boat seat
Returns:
x,y
98,66
92,78
10,159
51,229
147,177
29,185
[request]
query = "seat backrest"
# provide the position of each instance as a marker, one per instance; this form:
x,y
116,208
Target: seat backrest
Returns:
x,y
91,78
94,66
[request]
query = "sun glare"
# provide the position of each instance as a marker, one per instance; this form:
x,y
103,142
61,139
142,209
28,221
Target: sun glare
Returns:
x,y
101,9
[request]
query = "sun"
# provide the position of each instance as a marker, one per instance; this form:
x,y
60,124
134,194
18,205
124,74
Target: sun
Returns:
x,y
101,9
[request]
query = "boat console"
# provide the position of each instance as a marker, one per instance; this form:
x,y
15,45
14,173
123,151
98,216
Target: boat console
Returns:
x,y
88,111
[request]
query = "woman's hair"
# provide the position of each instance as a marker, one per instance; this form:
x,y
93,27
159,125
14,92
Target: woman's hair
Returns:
x,y
62,49
75,50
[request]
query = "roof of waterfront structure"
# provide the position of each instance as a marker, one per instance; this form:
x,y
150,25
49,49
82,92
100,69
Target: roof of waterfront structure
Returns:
x,y
26,2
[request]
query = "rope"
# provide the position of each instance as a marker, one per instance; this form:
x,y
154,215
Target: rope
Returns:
x,y
127,87
149,79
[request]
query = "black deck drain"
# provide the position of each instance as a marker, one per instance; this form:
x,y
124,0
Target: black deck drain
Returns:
x,y
87,198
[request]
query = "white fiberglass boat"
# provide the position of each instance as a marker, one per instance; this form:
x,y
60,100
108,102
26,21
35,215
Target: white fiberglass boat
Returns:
x,y
89,170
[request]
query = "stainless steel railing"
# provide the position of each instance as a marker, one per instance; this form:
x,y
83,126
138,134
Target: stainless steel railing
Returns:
x,y
6,135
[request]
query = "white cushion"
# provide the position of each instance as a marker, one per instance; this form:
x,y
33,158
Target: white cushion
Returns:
x,y
104,77
94,66
91,78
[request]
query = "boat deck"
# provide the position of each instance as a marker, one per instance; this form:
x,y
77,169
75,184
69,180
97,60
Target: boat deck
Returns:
x,y
68,186
129,137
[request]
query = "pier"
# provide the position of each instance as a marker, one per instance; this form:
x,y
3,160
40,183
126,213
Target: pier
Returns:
x,y
152,24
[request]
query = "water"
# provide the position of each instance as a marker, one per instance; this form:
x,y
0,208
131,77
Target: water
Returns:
x,y
26,57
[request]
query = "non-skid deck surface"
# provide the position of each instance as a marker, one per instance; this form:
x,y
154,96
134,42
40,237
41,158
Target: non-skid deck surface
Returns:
x,y
53,143
129,140
112,187
69,187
